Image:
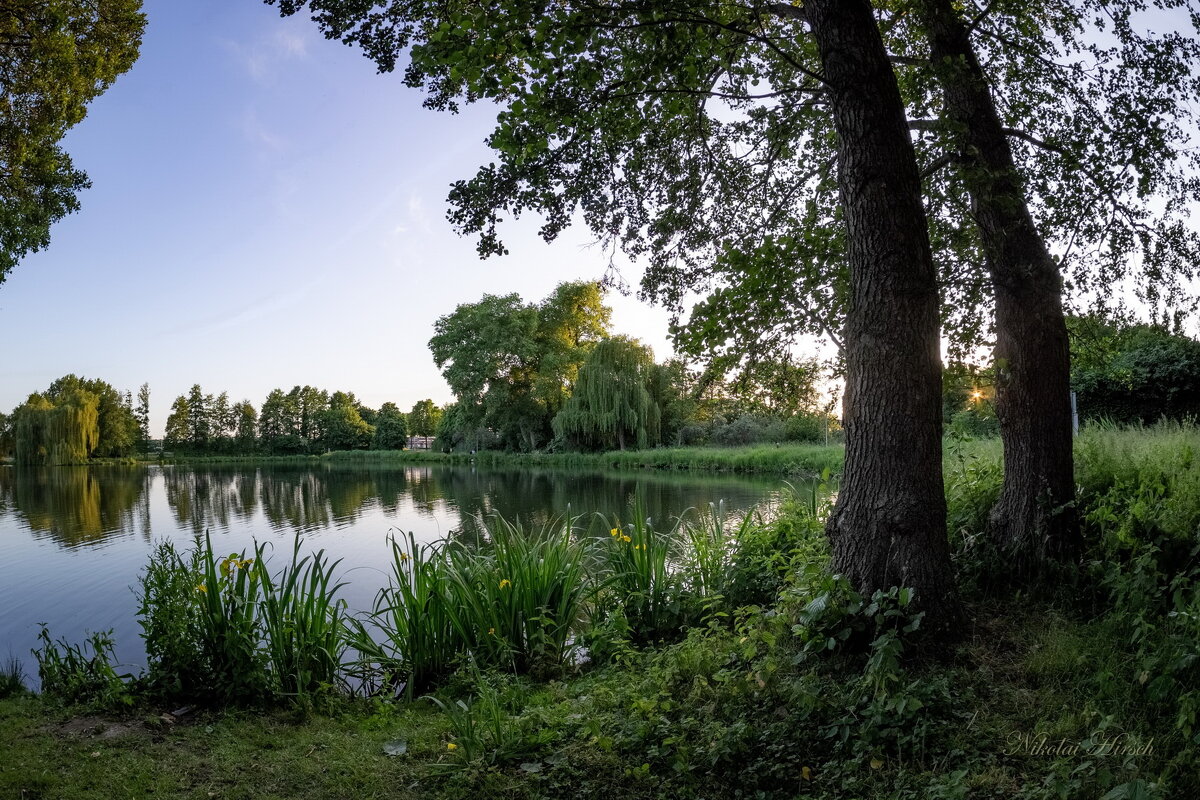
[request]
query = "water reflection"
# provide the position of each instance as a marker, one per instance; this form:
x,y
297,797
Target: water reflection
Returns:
x,y
77,505
80,506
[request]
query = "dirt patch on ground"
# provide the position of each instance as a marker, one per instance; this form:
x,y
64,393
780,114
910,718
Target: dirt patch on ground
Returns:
x,y
95,728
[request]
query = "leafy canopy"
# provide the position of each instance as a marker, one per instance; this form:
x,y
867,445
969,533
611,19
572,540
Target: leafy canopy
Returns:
x,y
56,56
696,134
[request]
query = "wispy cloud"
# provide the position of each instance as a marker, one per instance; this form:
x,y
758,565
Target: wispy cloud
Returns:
x,y
263,57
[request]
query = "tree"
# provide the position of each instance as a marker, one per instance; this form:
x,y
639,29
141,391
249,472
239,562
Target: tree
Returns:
x,y
509,363
343,427
391,429
1034,516
65,430
689,131
277,424
888,527
424,418
56,56
178,431
244,426
1134,373
142,414
610,405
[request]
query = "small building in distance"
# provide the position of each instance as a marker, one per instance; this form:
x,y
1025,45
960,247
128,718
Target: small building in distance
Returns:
x,y
420,442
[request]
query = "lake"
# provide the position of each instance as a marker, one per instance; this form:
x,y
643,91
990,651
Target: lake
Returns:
x,y
74,539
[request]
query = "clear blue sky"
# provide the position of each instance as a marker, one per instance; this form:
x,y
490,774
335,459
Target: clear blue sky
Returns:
x,y
267,211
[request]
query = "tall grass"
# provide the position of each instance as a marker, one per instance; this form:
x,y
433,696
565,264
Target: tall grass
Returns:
x,y
642,583
513,603
224,630
411,636
70,674
12,678
304,623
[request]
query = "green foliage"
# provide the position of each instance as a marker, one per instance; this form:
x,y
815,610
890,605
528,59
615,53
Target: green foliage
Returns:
x,y
12,678
56,58
642,588
224,631
304,625
510,364
424,418
514,603
611,405
391,429
169,615
1134,373
71,675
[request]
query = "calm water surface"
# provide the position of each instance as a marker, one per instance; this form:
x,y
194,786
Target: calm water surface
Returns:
x,y
73,539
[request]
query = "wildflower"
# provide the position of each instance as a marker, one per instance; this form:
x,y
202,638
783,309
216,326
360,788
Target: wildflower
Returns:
x,y
245,563
404,557
505,583
451,746
491,631
200,587
626,539
615,532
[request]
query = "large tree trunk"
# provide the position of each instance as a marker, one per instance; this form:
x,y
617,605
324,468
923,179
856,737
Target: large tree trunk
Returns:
x,y
1034,518
889,525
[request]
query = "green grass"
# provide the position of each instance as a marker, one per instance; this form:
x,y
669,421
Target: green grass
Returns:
x,y
805,460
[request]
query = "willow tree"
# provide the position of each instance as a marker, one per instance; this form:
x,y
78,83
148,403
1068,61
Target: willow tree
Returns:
x,y
611,405
65,431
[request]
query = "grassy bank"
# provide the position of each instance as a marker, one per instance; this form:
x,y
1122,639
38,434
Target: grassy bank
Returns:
x,y
800,460
712,678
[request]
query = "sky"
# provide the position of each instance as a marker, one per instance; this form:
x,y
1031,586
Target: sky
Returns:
x,y
268,211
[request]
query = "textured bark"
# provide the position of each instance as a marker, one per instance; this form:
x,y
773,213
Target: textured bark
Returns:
x,y
1034,518
889,525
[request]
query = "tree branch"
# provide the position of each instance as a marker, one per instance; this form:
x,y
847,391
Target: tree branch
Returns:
x,y
1029,137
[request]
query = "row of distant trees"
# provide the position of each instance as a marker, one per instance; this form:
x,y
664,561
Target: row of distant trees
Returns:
x,y
79,419
303,420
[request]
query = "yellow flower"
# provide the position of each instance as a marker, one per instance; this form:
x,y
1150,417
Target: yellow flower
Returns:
x,y
451,746
491,631
626,539
505,583
615,532
404,557
245,562
202,588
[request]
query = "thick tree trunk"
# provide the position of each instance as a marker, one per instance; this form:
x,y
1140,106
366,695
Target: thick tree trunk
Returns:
x,y
1034,518
889,525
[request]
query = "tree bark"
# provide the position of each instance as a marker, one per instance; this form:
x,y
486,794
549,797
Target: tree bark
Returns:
x,y
1034,518
889,524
